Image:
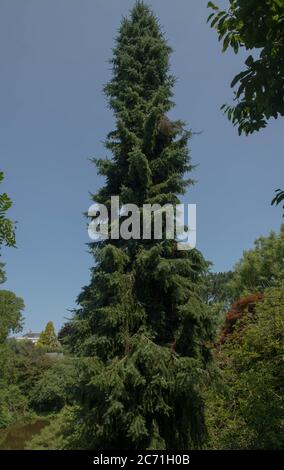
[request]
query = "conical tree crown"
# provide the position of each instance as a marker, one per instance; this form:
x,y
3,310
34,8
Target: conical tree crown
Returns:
x,y
48,338
150,152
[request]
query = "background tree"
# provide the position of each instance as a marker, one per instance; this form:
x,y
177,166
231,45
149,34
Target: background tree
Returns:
x,y
48,338
216,295
2,273
11,319
55,387
22,365
260,267
7,233
257,26
215,288
65,333
141,325
12,402
247,409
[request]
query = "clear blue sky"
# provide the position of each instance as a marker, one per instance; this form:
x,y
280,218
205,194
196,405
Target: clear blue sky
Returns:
x,y
53,117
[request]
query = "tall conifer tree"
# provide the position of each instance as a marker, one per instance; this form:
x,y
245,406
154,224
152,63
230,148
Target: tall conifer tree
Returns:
x,y
141,324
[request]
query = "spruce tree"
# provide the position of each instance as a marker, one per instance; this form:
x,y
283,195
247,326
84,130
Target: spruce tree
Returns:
x,y
141,328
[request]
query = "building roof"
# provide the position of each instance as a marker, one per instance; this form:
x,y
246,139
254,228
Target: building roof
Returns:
x,y
31,335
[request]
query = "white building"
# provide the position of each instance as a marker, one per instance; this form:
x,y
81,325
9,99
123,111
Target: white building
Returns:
x,y
30,336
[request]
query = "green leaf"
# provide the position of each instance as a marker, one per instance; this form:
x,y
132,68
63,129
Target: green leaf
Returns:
x,y
239,77
250,61
214,21
279,198
212,5
226,42
210,16
280,3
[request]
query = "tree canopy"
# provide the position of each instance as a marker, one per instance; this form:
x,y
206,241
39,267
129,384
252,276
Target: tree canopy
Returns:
x,y
11,319
259,268
255,26
48,338
246,410
7,232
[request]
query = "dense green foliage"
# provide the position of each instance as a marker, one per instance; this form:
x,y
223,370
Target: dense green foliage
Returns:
x,y
48,338
10,314
245,405
24,368
31,382
2,273
7,233
141,319
13,404
260,267
60,434
244,402
21,365
55,386
255,25
247,409
215,288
